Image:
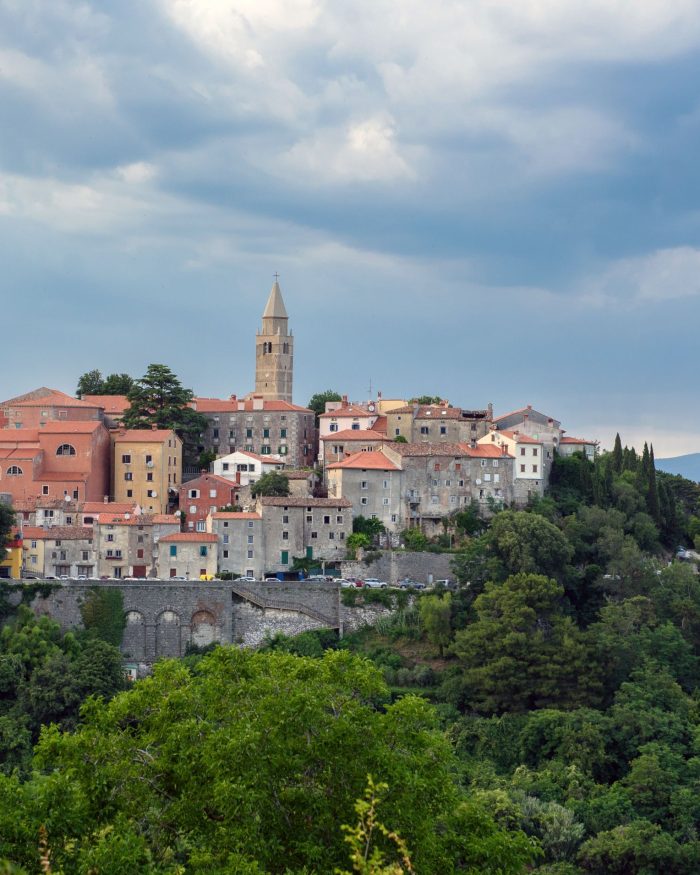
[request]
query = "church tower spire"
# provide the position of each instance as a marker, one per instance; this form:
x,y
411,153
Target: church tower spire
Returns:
x,y
274,350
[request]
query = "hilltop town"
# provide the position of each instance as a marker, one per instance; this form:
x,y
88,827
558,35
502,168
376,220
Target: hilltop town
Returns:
x,y
95,498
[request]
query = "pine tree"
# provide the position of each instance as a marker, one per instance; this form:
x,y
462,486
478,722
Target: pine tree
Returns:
x,y
617,455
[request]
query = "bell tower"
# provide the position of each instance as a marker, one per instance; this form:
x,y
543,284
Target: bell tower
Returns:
x,y
274,350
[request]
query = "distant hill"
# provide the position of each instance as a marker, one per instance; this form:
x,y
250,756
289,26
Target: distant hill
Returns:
x,y
687,466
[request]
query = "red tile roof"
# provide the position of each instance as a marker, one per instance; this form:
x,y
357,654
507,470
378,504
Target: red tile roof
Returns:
x,y
573,440
481,451
304,501
121,519
69,426
355,434
235,515
55,398
380,424
91,507
231,405
208,478
373,460
59,533
486,451
348,410
142,435
517,436
191,537
116,404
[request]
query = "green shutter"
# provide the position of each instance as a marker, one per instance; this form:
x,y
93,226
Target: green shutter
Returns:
x,y
285,557
309,552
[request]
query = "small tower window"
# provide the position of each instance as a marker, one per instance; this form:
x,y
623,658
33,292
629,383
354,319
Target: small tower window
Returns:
x,y
65,450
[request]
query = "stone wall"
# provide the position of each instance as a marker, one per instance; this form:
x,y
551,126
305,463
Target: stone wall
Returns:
x,y
394,565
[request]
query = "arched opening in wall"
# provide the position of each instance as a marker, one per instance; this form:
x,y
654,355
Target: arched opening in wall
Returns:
x,y
205,629
134,637
168,634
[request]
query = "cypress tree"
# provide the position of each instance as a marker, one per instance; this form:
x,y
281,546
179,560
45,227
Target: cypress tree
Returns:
x,y
617,460
652,489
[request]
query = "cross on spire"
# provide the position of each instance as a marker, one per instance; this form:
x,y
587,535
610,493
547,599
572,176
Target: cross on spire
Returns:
x,y
276,276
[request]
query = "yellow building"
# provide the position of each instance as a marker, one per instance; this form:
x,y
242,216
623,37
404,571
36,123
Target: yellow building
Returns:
x,y
11,566
147,467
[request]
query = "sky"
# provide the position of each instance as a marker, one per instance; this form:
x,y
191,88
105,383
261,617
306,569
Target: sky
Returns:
x,y
486,200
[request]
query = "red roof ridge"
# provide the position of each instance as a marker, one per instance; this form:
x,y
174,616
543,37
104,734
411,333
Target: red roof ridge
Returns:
x,y
369,460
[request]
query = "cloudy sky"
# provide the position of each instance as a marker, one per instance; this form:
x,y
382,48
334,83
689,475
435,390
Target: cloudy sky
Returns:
x,y
485,199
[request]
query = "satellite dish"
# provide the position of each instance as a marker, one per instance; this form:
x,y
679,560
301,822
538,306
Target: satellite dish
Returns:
x,y
154,494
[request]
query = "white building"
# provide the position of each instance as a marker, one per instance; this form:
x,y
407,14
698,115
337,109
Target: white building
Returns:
x,y
245,468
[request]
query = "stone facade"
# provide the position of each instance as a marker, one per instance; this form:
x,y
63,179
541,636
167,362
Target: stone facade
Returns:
x,y
437,423
373,483
59,550
274,351
393,566
259,426
127,544
240,542
315,528
191,555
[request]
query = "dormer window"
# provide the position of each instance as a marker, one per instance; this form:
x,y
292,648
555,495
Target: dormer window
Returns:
x,y
15,471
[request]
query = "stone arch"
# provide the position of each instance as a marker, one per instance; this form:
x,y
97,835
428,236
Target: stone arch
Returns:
x,y
168,633
205,629
134,637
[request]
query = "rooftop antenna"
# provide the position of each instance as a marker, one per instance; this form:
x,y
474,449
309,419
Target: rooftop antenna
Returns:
x,y
370,387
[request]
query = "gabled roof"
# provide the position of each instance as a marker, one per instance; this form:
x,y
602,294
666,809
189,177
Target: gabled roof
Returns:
x,y
355,434
380,424
518,437
115,404
574,440
92,507
275,309
54,398
245,405
429,449
129,519
70,426
235,515
41,392
347,410
486,451
372,460
521,412
216,479
60,533
191,537
303,501
142,435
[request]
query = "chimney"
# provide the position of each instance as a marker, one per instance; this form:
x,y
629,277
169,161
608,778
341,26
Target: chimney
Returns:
x,y
241,404
344,402
232,398
504,449
258,402
105,499
122,430
489,410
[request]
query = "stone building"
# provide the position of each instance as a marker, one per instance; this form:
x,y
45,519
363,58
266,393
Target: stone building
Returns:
x,y
437,423
147,467
531,462
570,445
312,528
187,554
339,445
127,543
274,351
241,549
259,426
59,551
372,482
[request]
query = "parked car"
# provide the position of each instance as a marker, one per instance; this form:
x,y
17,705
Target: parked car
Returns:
x,y
446,582
345,583
375,583
272,580
411,584
244,580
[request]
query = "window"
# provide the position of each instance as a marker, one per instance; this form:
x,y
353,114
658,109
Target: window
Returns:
x,y
494,463
285,536
224,466
44,490
250,524
487,477
250,554
331,536
266,432
283,450
436,482
483,463
173,549
139,553
251,538
339,520
203,550
309,518
149,476
363,484
443,429
193,493
283,432
201,526
149,493
226,539
522,451
334,426
425,429
434,499
16,471
284,558
126,458
448,483
225,554
110,538
534,469
65,450
522,469
393,517
249,432
534,451
326,521
149,459
85,555
314,535
385,501
363,500
461,482
285,518
265,450
33,545
212,493
128,476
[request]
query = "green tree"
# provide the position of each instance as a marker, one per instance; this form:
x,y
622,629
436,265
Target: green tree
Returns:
x,y
317,402
117,384
7,521
370,526
617,460
159,399
170,775
436,615
426,399
522,652
528,543
414,539
271,484
90,383
358,540
400,439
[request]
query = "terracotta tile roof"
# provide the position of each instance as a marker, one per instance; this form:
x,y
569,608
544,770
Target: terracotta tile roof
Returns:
x,y
57,533
19,436
355,434
298,475
55,398
142,435
121,519
235,515
380,425
523,410
520,438
303,501
41,392
91,507
69,426
429,449
25,453
231,405
573,440
190,537
486,451
110,403
208,478
348,410
372,460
